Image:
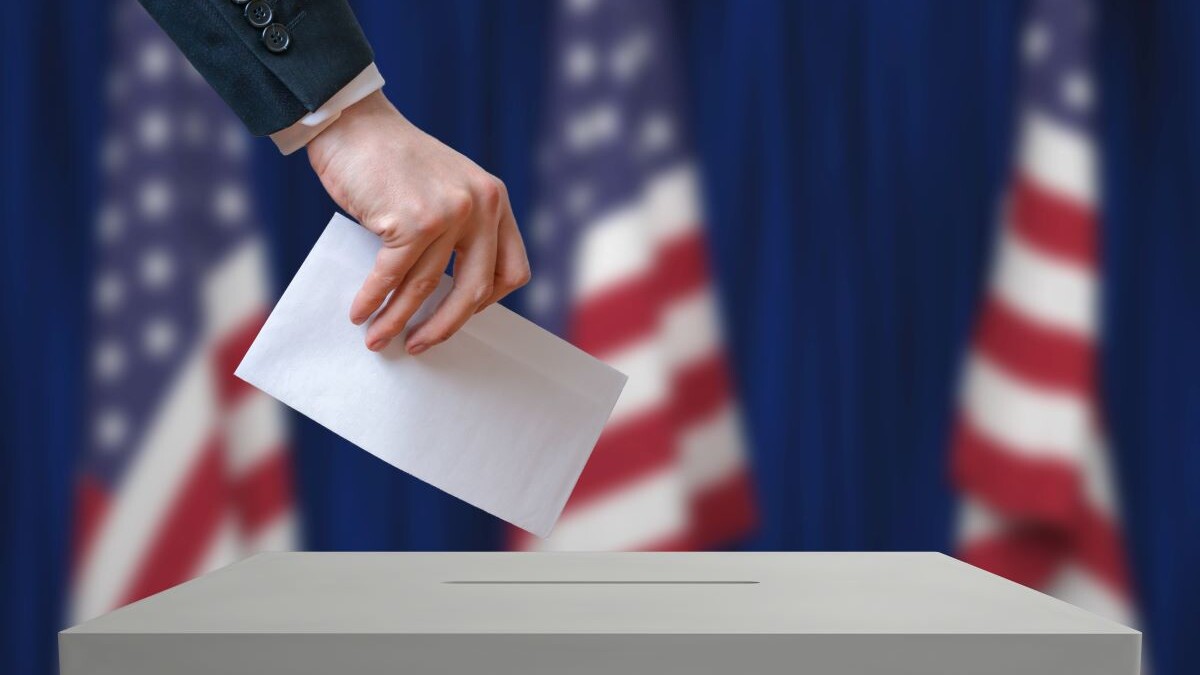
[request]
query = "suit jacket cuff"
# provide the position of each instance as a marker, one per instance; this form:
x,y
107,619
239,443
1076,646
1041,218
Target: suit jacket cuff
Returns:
x,y
298,135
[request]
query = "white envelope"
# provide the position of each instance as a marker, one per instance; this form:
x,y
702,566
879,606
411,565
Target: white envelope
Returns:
x,y
503,415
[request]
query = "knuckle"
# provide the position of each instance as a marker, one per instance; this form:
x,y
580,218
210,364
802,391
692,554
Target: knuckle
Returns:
x,y
423,287
426,226
384,279
481,292
389,228
518,277
459,206
491,193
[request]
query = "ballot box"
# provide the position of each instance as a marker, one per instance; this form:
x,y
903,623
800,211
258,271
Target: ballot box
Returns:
x,y
599,613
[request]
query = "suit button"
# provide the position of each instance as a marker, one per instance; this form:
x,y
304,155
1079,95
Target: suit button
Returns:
x,y
259,13
276,38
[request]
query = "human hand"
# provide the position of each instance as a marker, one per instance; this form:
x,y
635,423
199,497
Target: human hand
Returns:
x,y
424,201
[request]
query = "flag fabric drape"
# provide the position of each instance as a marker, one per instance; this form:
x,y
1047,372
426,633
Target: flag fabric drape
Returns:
x,y
851,155
622,257
185,468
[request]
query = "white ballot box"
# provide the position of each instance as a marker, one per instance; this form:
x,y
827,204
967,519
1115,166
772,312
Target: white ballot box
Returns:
x,y
599,613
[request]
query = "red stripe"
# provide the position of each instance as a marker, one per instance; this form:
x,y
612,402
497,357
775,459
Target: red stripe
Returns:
x,y
700,389
264,493
228,353
1040,355
1098,548
91,505
627,451
1016,485
1027,555
632,309
1052,224
723,511
188,529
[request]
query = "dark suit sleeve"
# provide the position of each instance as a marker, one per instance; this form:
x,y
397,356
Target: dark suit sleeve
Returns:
x,y
269,88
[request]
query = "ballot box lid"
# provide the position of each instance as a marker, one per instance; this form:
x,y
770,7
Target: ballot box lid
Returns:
x,y
601,593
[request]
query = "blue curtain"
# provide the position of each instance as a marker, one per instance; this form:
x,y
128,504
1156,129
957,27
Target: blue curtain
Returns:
x,y
852,156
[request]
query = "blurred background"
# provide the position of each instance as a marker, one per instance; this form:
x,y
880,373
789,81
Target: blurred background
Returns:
x,y
896,275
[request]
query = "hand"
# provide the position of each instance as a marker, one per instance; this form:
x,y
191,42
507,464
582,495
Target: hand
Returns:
x,y
424,201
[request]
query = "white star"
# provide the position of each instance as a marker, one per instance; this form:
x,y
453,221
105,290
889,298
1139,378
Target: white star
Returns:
x,y
541,296
592,127
111,429
1036,43
159,338
580,6
109,360
110,223
630,56
1077,91
154,61
154,199
154,129
230,203
580,62
157,269
657,132
109,292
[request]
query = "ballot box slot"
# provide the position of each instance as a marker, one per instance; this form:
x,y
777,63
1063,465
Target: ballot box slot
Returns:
x,y
605,582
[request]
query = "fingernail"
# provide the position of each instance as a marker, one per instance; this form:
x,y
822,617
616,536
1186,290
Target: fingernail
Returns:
x,y
376,344
417,348
357,320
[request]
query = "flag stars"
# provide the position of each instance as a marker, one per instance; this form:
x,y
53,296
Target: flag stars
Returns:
x,y
1077,91
1036,43
233,141
154,199
157,269
656,134
154,61
229,203
113,154
541,296
630,56
109,360
111,429
159,338
592,127
579,199
154,130
580,63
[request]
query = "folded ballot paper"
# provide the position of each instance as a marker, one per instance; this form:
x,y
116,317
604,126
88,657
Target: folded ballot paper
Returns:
x,y
503,415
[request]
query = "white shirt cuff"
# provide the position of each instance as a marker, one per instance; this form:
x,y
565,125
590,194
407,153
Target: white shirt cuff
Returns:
x,y
299,134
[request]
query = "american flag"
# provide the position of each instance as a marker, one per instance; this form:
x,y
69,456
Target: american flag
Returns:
x,y
1029,455
621,269
186,468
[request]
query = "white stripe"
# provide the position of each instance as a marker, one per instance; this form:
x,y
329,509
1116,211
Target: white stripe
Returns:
x,y
224,549
1044,289
674,203
279,535
648,385
637,515
173,443
621,244
255,429
691,328
1077,586
976,522
236,289
1059,158
713,449
1023,418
